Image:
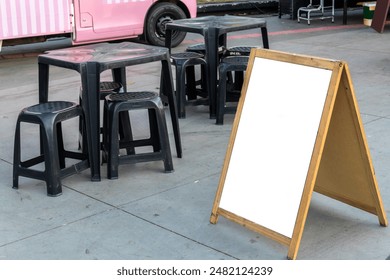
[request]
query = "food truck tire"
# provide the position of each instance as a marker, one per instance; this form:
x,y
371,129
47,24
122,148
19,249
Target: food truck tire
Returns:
x,y
159,15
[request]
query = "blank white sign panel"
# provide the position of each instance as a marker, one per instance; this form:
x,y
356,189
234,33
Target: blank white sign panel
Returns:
x,y
274,143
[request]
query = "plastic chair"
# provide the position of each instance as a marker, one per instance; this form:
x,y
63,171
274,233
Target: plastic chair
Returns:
x,y
237,51
117,103
186,90
229,64
49,117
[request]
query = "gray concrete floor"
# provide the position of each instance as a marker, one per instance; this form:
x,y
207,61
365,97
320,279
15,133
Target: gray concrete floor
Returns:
x,y
148,214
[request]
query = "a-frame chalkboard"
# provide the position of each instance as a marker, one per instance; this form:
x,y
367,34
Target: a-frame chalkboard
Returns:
x,y
297,130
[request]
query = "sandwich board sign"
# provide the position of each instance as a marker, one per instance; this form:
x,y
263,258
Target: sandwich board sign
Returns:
x,y
297,130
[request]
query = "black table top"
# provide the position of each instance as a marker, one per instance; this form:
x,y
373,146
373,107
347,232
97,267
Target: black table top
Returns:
x,y
224,24
111,55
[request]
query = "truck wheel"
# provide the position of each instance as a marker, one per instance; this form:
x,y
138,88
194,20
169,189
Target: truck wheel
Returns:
x,y
159,16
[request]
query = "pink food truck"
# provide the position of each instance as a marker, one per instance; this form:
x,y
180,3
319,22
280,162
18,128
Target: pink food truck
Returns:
x,y
88,21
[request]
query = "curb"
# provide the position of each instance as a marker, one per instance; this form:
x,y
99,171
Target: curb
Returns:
x,y
19,55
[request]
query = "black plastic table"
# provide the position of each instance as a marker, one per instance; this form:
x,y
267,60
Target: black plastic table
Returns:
x,y
90,61
214,29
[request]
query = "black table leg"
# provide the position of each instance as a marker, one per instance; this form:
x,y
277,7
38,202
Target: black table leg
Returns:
x,y
166,84
345,12
212,59
43,91
90,80
264,36
167,88
43,82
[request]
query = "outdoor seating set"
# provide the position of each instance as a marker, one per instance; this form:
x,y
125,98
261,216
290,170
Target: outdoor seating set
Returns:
x,y
90,61
233,62
217,61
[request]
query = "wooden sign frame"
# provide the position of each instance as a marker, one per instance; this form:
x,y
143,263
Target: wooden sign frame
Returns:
x,y
340,165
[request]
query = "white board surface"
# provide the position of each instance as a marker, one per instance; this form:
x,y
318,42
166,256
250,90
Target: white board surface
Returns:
x,y
274,143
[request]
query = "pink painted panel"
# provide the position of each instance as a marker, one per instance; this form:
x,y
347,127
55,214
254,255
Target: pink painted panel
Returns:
x,y
192,7
26,18
114,19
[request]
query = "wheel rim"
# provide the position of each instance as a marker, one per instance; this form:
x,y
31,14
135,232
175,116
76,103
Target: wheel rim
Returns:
x,y
161,25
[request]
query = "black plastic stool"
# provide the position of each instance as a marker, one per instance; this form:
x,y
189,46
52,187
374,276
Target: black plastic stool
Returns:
x,y
159,140
185,63
228,64
201,49
237,51
49,117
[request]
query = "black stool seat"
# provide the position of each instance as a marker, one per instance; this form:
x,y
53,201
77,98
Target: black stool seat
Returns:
x,y
132,96
49,117
185,55
53,107
108,87
186,91
120,102
198,48
238,51
229,64
201,48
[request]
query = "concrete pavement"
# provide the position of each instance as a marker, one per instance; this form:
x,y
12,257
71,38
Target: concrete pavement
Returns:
x,y
148,214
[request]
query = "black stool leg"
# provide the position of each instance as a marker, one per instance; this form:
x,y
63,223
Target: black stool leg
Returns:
x,y
221,95
60,144
113,142
168,164
191,83
17,157
163,136
203,79
172,108
154,132
52,162
238,80
125,131
180,90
